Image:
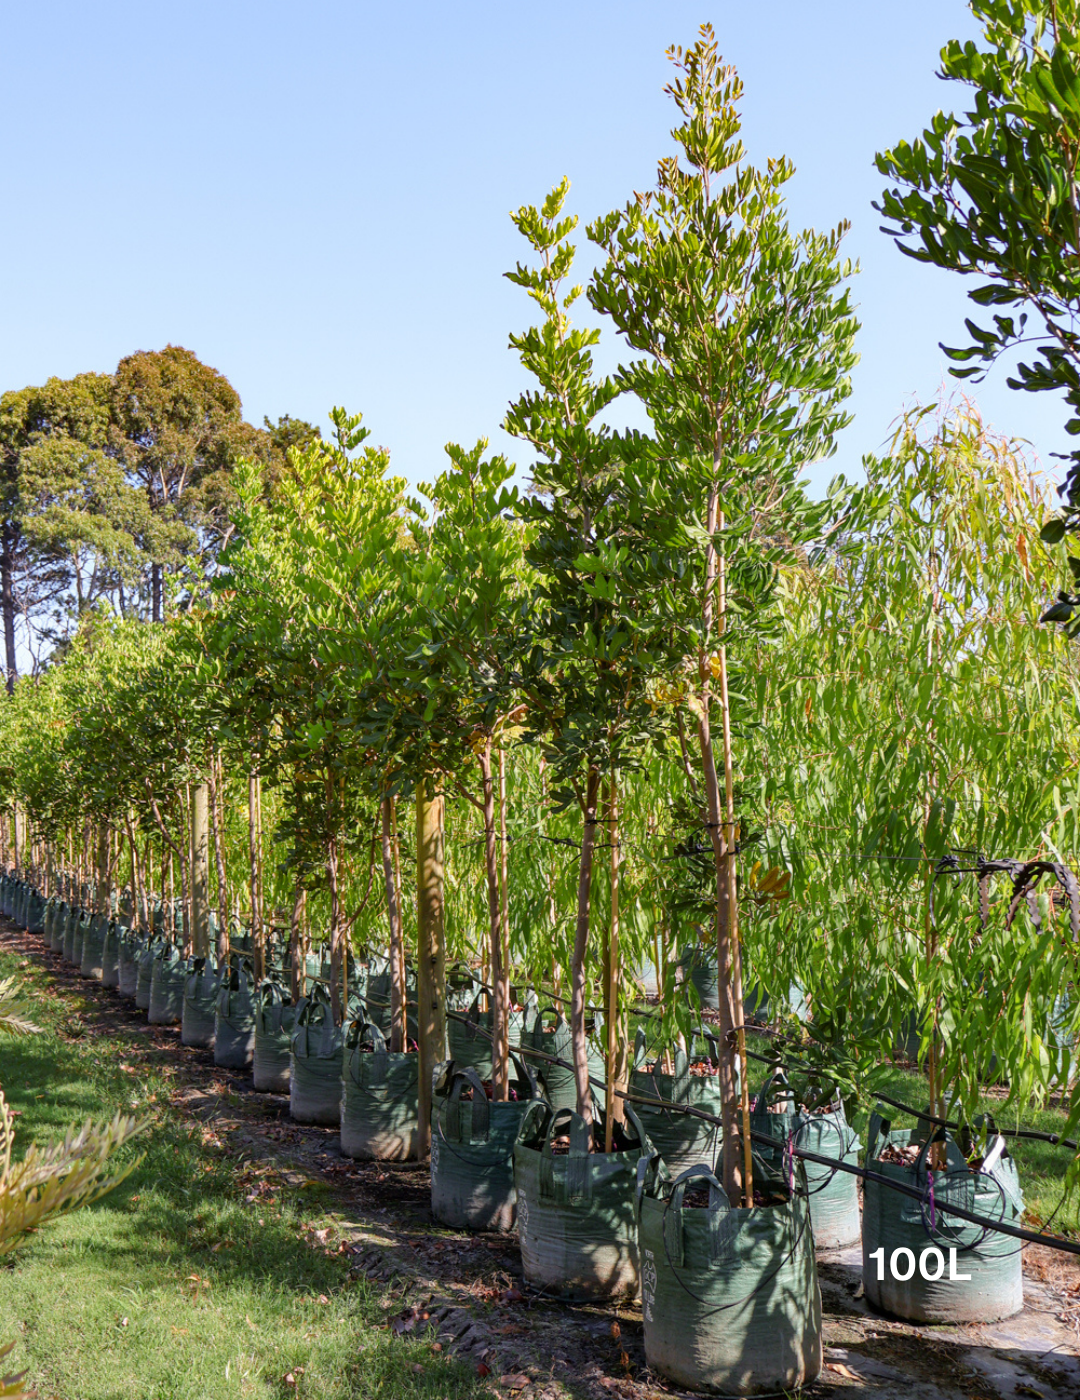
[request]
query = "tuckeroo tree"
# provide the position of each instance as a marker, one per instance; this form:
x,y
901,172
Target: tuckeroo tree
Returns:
x,y
746,342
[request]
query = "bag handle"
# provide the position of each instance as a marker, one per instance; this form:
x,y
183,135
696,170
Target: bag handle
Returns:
x,y
778,1079
718,1207
539,1108
480,1127
878,1126
575,1184
525,1075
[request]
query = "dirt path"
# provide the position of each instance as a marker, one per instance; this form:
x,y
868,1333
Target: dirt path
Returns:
x,y
469,1288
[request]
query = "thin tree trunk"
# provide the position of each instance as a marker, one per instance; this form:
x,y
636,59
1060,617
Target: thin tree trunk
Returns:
x,y
7,602
717,821
581,944
499,1085
615,1066
216,815
200,870
255,861
500,969
398,1010
336,931
297,950
431,950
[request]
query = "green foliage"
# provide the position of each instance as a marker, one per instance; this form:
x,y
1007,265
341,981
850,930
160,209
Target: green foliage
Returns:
x,y
993,194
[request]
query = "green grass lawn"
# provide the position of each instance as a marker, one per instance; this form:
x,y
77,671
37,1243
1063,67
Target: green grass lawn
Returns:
x,y
173,1286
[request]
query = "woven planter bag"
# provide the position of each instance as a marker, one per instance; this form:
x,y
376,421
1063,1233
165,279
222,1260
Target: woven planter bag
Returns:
x,y
275,1021
576,1221
197,1021
549,1033
833,1195
93,948
315,1083
128,962
681,1139
167,987
730,1297
234,1022
472,1148
110,955
924,1227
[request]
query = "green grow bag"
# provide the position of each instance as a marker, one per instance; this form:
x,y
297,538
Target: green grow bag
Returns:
x,y
61,914
315,1063
698,966
35,912
110,955
550,1034
468,1041
5,896
730,1298
128,962
167,986
472,1148
681,1139
833,1195
576,1223
93,948
82,927
47,923
67,948
234,1022
147,956
197,1020
275,1021
924,1228
379,1114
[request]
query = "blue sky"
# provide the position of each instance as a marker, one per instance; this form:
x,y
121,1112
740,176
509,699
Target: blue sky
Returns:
x,y
314,197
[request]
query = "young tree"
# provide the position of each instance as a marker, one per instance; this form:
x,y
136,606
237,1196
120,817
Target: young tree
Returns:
x,y
746,343
593,638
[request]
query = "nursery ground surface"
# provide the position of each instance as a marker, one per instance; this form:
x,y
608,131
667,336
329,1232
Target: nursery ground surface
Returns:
x,y
245,1256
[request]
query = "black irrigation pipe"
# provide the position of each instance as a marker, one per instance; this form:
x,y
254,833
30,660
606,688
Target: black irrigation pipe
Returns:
x,y
1027,1134
1016,1232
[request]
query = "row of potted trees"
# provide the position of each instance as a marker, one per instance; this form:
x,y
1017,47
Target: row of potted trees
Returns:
x,y
729,1295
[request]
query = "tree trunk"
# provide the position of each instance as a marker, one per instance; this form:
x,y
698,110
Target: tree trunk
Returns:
x,y
431,950
255,860
104,867
217,818
581,944
297,948
398,1009
200,870
500,967
337,939
7,601
499,1084
156,611
615,1060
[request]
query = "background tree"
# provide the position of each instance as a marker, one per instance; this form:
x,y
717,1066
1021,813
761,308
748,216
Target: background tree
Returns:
x,y
178,430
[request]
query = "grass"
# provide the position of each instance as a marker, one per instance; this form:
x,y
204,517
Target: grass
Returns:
x,y
174,1287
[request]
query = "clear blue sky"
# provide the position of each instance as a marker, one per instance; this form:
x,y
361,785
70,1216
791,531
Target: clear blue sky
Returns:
x,y
314,197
